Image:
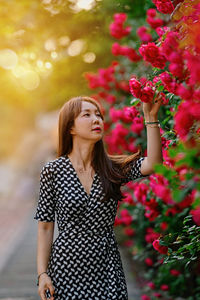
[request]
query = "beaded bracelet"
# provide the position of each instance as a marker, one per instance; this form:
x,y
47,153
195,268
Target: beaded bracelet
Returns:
x,y
153,124
39,277
156,122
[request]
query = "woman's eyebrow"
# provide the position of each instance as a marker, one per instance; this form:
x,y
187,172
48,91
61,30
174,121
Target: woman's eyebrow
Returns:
x,y
89,109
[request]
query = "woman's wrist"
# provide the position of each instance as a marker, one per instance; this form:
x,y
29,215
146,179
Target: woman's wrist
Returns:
x,y
40,276
149,118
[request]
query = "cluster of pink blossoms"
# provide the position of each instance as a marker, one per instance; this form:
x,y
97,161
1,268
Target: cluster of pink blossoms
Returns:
x,y
117,29
102,79
151,53
129,52
164,6
152,20
143,34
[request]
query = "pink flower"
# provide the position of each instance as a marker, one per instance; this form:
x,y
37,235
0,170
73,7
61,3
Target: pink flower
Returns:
x,y
164,287
128,243
151,214
176,69
129,231
188,112
143,34
138,125
164,6
135,87
129,113
116,28
151,285
151,53
145,297
117,49
140,192
196,215
115,114
157,295
147,94
151,235
153,22
163,226
184,92
151,12
162,30
128,198
188,200
161,249
149,261
175,272
126,217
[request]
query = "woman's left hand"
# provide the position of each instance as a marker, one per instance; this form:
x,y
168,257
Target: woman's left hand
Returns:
x,y
150,110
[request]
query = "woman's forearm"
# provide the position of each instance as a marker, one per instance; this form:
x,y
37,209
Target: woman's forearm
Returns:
x,y
154,143
44,243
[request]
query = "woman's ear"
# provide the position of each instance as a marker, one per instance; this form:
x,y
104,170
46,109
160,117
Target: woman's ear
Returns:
x,y
71,131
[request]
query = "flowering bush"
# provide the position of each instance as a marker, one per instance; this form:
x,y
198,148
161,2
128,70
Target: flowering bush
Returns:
x,y
160,215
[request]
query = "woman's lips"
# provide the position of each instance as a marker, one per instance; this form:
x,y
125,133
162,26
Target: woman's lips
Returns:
x,y
96,129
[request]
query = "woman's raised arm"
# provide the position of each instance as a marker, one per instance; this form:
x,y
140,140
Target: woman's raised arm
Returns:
x,y
154,144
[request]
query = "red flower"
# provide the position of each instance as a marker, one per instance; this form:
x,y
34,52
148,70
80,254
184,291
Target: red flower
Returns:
x,y
151,235
151,285
196,215
144,35
151,53
129,231
157,295
117,49
164,287
175,272
140,192
151,214
145,297
128,243
161,249
126,217
135,87
163,226
147,94
153,22
176,69
164,6
116,28
149,261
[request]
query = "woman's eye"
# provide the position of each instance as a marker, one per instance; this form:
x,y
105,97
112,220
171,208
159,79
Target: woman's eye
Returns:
x,y
86,114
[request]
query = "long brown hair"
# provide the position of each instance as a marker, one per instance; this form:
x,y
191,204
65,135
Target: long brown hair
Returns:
x,y
111,168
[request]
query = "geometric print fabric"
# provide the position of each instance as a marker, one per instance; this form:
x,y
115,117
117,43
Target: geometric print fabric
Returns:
x,y
85,262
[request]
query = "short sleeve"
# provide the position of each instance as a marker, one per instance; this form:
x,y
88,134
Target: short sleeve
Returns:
x,y
135,171
45,208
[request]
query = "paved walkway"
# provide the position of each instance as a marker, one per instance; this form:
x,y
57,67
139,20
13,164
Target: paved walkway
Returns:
x,y
18,276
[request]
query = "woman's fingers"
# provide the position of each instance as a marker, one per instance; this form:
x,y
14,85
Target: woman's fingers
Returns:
x,y
51,289
42,295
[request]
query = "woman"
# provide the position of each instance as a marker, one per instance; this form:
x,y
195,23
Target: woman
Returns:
x,y
82,186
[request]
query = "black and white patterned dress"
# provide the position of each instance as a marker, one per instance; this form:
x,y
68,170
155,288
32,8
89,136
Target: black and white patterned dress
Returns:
x,y
85,262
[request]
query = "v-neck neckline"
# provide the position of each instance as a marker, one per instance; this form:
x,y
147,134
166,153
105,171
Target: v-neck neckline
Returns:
x,y
88,195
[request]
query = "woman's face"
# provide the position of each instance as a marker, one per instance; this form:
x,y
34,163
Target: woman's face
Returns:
x,y
87,121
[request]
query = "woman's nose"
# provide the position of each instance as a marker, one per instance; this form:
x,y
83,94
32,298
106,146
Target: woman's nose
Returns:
x,y
95,119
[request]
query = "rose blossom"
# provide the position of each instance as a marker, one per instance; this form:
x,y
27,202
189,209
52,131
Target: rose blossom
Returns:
x,y
160,248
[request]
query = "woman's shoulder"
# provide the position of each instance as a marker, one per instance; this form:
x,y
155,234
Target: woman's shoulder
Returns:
x,y
54,163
